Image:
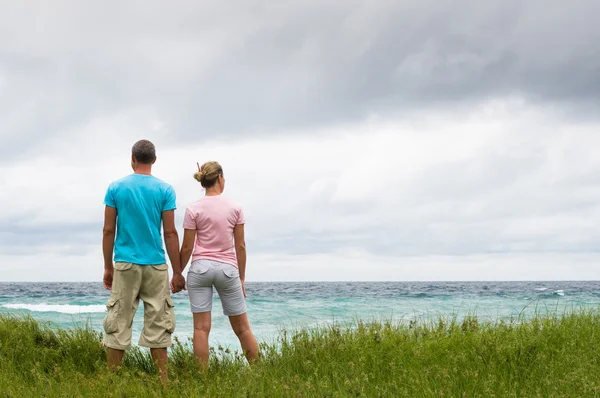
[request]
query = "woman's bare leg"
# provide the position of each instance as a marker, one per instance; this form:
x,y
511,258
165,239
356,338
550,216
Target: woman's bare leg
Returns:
x,y
241,327
202,323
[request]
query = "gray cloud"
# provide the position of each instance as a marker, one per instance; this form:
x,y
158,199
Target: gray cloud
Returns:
x,y
19,236
79,82
225,70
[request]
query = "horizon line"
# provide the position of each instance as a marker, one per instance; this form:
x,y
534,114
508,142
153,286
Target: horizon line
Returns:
x,y
361,281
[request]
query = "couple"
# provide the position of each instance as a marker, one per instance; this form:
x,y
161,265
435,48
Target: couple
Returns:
x,y
136,206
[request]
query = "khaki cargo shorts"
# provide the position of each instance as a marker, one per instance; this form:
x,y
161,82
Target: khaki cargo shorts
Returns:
x,y
132,282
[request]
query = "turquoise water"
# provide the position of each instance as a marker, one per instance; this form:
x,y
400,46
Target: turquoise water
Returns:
x,y
273,306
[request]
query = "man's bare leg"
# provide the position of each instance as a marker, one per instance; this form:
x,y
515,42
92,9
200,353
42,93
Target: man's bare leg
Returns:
x,y
114,357
161,359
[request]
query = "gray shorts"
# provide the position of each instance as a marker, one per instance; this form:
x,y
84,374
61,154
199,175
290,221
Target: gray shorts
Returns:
x,y
203,275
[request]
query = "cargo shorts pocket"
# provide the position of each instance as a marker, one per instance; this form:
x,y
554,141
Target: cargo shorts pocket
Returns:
x,y
160,267
119,266
110,322
170,315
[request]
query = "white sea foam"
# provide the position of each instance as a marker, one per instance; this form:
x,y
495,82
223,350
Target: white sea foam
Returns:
x,y
62,308
541,289
559,292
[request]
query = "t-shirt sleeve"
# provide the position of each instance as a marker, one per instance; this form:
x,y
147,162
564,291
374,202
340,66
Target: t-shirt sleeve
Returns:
x,y
241,219
189,221
170,200
109,198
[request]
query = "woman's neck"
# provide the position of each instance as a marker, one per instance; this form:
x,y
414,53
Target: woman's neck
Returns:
x,y
212,191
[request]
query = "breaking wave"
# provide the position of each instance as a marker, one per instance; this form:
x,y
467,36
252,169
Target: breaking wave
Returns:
x,y
62,308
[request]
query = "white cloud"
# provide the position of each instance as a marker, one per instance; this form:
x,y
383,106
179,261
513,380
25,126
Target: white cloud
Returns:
x,y
51,266
505,178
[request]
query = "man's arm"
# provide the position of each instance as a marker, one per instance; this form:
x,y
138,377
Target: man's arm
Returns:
x,y
108,244
172,246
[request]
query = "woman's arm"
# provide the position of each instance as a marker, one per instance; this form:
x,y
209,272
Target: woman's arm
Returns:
x,y
240,249
240,252
187,247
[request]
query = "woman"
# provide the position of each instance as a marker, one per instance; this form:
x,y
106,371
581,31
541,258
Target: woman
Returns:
x,y
212,225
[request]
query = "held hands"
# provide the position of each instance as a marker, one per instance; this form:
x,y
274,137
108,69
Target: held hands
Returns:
x,y
177,283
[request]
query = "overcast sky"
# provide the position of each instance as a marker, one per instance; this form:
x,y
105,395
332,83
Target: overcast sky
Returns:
x,y
366,140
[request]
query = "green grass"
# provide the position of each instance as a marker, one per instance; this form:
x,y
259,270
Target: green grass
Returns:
x,y
551,355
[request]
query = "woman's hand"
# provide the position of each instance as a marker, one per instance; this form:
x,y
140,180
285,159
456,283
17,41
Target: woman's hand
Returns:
x,y
243,287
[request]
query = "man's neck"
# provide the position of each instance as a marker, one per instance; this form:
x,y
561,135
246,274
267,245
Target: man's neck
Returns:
x,y
143,169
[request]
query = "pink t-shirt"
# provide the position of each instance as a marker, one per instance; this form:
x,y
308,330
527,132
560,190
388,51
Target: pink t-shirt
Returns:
x,y
213,218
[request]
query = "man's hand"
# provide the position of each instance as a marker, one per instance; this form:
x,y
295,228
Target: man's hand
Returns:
x,y
243,287
177,283
108,278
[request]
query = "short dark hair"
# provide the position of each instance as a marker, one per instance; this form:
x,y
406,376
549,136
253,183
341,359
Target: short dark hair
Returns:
x,y
144,152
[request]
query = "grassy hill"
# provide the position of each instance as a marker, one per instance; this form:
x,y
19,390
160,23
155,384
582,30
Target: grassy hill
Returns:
x,y
557,355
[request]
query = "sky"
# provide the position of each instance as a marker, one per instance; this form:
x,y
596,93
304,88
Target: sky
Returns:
x,y
366,140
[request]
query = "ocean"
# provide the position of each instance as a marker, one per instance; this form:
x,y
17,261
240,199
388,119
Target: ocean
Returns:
x,y
276,306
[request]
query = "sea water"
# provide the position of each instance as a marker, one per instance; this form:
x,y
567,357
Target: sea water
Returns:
x,y
276,306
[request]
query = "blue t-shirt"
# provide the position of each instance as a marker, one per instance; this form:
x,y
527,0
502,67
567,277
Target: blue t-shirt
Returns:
x,y
140,201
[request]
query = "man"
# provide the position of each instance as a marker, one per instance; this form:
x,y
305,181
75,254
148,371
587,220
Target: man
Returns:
x,y
135,207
